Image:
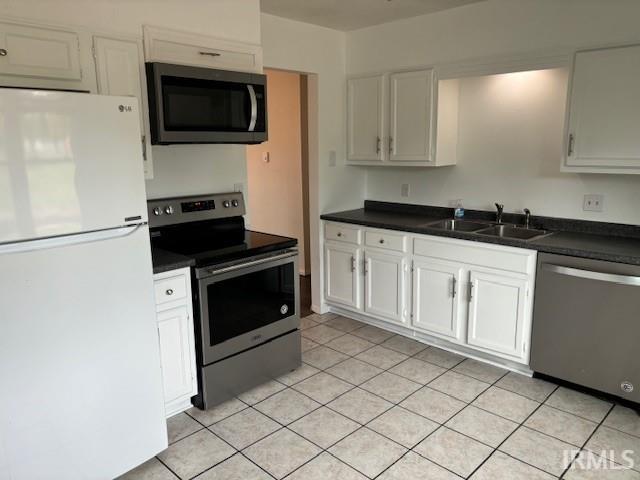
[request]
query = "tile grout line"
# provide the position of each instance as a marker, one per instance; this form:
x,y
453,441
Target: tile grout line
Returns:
x,y
393,404
520,425
582,448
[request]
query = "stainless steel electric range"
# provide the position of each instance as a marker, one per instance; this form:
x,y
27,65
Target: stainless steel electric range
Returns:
x,y
245,292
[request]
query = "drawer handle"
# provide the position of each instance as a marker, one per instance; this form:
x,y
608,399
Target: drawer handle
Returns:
x,y
339,234
3,52
210,54
169,291
382,240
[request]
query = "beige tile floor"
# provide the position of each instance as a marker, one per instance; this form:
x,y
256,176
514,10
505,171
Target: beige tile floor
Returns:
x,y
369,404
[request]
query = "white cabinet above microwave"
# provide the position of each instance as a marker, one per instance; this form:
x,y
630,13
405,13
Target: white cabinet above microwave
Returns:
x,y
185,48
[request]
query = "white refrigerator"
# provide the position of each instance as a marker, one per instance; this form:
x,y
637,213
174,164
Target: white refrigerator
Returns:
x,y
80,382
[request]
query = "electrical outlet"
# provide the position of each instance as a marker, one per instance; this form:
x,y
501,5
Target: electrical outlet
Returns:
x,y
593,203
238,187
405,190
266,157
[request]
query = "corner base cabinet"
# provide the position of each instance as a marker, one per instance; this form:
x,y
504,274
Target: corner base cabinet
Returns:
x,y
473,297
176,336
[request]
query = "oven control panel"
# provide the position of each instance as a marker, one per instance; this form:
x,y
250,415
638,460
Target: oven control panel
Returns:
x,y
170,211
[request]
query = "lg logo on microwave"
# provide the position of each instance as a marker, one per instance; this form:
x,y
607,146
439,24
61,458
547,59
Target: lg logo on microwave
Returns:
x,y
125,108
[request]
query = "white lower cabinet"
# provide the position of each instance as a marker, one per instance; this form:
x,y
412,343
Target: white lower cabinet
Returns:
x,y
342,275
176,337
497,311
437,298
473,296
385,280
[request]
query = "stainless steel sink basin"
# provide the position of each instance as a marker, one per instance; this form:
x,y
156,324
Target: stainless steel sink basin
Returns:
x,y
511,231
459,225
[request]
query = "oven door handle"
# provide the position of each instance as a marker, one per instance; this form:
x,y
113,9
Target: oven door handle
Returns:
x,y
254,108
240,266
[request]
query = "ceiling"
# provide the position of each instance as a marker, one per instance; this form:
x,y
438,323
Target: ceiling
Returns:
x,y
353,14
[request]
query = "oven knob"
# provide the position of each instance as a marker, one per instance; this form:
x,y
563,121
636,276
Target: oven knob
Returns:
x,y
235,203
226,204
157,211
168,210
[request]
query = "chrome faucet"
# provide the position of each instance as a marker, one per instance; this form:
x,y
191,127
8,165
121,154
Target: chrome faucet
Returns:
x,y
527,217
499,209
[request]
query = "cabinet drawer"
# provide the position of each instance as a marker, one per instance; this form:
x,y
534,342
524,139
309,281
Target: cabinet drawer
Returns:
x,y
170,289
384,240
342,233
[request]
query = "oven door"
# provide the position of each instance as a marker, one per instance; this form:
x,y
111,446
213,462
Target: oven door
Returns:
x,y
245,305
202,105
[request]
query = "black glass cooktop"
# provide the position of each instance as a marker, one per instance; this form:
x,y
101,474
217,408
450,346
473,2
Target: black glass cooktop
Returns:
x,y
218,241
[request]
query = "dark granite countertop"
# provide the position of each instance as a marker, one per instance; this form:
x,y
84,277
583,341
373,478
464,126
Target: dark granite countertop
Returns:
x,y
597,240
163,261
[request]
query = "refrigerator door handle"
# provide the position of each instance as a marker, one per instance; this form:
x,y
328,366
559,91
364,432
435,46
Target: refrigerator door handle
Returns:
x,y
67,240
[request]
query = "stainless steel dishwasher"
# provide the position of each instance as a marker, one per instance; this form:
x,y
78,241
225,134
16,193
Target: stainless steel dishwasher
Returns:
x,y
586,324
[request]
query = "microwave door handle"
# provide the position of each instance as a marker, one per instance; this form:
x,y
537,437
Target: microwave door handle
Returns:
x,y
254,108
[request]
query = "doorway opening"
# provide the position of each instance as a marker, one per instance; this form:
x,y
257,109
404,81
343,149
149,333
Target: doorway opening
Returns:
x,y
278,171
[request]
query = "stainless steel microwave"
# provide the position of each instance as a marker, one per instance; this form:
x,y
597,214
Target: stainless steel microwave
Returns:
x,y
204,105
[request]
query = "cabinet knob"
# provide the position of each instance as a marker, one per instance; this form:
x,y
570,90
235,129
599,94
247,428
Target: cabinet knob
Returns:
x,y
3,52
169,291
339,234
382,240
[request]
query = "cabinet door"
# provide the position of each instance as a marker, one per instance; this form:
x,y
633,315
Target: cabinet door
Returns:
x,y
385,285
411,116
175,331
604,115
497,308
119,71
342,277
39,52
437,292
365,100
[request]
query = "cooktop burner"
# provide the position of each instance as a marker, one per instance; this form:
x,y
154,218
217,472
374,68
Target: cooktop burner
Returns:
x,y
209,229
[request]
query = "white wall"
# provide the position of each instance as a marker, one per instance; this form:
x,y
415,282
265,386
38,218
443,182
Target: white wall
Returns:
x,y
183,169
509,144
297,46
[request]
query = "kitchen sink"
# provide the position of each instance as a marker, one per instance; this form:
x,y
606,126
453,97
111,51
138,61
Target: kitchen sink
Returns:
x,y
458,225
511,231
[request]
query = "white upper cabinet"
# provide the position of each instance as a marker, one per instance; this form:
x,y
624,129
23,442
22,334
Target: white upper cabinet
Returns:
x,y
120,71
392,120
365,97
603,127
411,116
39,52
43,56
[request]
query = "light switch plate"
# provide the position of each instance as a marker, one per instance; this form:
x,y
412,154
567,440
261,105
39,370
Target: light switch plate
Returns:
x,y
238,187
593,203
332,158
266,157
405,190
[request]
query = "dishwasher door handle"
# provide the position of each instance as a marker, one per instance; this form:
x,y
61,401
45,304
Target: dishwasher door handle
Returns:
x,y
588,274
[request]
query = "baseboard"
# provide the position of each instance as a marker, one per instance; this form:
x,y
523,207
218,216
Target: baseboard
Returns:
x,y
433,341
321,309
